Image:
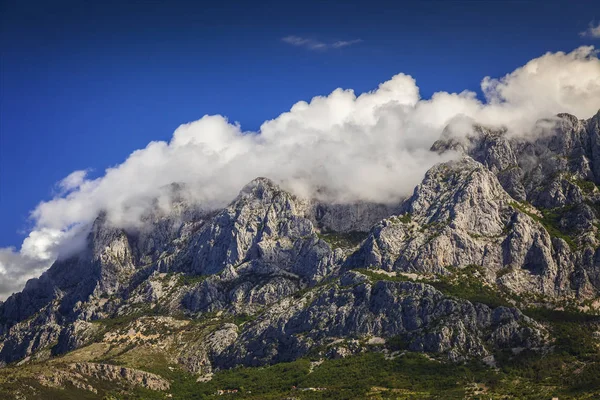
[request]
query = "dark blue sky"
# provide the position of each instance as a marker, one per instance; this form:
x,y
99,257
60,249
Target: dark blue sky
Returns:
x,y
85,83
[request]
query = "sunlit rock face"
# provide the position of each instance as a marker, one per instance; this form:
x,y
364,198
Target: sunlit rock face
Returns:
x,y
278,276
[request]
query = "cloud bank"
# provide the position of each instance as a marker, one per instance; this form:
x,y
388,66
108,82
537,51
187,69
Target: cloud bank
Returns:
x,y
593,31
340,147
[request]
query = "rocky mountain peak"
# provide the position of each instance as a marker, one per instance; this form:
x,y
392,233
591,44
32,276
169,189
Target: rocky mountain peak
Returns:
x,y
461,191
260,188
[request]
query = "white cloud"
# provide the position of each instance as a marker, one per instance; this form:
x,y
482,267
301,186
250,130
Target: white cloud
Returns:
x,y
36,255
312,44
345,43
593,31
73,180
340,147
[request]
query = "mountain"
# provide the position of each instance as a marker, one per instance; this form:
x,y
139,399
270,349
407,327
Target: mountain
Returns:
x,y
486,281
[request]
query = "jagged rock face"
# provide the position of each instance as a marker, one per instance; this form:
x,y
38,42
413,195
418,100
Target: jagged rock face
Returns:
x,y
73,290
68,291
542,170
243,290
26,338
263,242
460,215
354,307
115,373
556,172
261,248
264,223
74,335
346,218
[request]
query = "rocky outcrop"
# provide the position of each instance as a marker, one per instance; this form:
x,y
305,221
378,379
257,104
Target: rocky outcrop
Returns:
x,y
27,337
347,218
355,307
243,290
264,223
555,170
60,378
544,168
75,335
459,216
115,373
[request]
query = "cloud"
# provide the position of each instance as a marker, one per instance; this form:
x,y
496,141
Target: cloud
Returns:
x,y
341,147
36,255
592,31
72,181
312,44
345,43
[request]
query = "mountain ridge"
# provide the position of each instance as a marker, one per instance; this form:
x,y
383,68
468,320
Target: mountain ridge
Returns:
x,y
509,224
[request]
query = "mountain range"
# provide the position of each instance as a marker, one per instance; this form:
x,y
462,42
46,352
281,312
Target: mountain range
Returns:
x,y
484,283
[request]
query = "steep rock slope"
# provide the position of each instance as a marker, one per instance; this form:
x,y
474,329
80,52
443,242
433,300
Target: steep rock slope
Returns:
x,y
355,307
552,176
459,216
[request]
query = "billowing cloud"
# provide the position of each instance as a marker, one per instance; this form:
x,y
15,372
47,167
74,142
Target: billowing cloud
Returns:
x,y
593,31
340,147
313,44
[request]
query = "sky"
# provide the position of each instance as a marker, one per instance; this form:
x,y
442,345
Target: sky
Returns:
x,y
84,84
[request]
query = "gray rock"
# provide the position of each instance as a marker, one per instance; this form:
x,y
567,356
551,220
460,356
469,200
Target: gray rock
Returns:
x,y
428,320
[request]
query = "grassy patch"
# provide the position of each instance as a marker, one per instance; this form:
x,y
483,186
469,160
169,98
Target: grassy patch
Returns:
x,y
189,280
404,218
375,275
343,240
549,221
587,187
118,322
467,283
573,330
368,375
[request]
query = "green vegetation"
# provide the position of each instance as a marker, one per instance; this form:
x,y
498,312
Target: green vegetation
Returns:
x,y
410,376
241,319
573,330
572,370
550,221
587,187
404,218
373,375
468,284
504,271
377,275
121,321
465,283
343,240
528,375
189,280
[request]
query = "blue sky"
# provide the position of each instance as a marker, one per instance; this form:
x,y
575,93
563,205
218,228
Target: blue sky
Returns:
x,y
83,84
